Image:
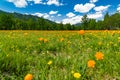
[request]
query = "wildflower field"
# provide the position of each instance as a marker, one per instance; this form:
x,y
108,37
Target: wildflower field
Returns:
x,y
60,55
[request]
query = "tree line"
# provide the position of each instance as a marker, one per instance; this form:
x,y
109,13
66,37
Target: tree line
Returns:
x,y
12,21
110,22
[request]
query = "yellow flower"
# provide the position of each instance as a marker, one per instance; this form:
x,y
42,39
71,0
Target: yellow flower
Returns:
x,y
62,39
118,39
49,63
91,63
17,50
28,77
99,55
99,43
77,75
81,32
45,40
72,71
25,33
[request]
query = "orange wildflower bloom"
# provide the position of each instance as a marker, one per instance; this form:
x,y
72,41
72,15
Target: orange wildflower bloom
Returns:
x,y
91,63
28,77
41,39
81,32
99,55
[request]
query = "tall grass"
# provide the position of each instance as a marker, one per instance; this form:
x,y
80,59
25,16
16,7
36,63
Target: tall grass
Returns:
x,y
29,52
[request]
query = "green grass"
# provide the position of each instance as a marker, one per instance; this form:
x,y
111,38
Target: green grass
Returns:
x,y
21,52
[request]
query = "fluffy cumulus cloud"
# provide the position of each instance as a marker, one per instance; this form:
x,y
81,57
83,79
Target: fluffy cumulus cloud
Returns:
x,y
101,8
36,1
54,2
57,21
93,1
38,14
118,9
24,3
19,3
70,14
59,15
72,20
95,15
44,15
53,12
83,8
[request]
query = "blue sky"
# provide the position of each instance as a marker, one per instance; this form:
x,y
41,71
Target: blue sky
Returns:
x,y
65,11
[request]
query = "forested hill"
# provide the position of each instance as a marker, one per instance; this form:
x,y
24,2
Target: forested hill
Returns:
x,y
22,21
17,21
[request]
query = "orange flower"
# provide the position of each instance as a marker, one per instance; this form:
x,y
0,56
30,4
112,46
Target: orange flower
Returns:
x,y
91,63
28,77
99,55
81,32
41,39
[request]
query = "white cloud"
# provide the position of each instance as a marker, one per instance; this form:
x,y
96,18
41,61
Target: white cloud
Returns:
x,y
70,14
53,12
55,2
83,8
57,21
24,3
118,9
101,8
59,15
38,14
44,15
36,1
95,15
26,13
19,3
73,20
93,1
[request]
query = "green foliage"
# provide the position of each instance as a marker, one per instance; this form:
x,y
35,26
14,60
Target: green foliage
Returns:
x,y
16,21
84,22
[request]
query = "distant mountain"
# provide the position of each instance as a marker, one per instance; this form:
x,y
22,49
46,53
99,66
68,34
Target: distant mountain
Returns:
x,y
24,16
78,24
17,21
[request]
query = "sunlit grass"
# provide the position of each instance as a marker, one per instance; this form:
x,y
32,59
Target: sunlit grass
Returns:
x,y
60,55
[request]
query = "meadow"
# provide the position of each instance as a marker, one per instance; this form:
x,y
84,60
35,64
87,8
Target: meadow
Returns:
x,y
60,55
